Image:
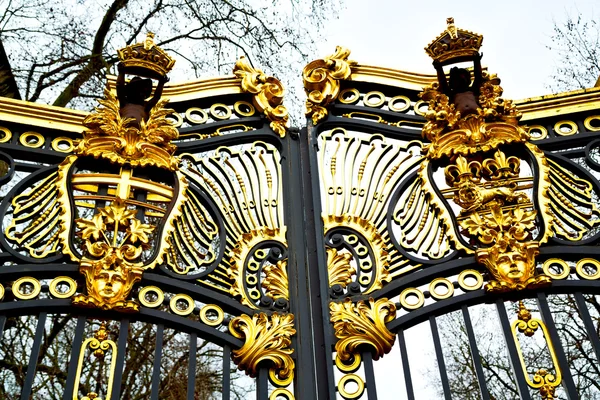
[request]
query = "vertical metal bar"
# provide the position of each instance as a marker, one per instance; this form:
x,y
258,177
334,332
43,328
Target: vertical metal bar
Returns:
x,y
589,324
475,354
226,373
157,360
262,384
370,375
513,355
191,383
74,359
33,358
405,366
440,357
2,323
120,364
563,363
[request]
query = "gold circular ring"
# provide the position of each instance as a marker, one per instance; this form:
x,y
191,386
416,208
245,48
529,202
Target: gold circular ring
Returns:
x,y
192,119
352,367
281,392
214,308
184,297
441,282
220,106
353,98
378,103
175,119
237,108
361,250
63,280
572,128
412,292
393,100
23,281
32,139
470,273
347,379
553,262
543,132
588,123
277,381
59,143
254,294
1,292
160,296
253,266
417,107
366,265
6,134
251,279
584,275
364,280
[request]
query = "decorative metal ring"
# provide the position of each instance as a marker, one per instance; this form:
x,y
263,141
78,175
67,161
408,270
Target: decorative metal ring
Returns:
x,y
220,106
1,292
572,128
279,382
66,280
588,123
462,279
392,104
6,134
212,322
190,304
352,367
39,140
352,239
237,108
254,294
366,265
281,392
543,132
566,270
417,107
361,250
160,296
380,99
189,116
364,280
253,266
584,275
27,296
441,282
351,378
251,280
62,140
178,119
353,98
414,292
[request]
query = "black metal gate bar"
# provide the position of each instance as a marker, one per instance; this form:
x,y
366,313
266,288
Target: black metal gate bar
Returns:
x,y
120,360
475,354
567,378
440,357
226,373
191,376
513,355
74,359
160,328
589,324
371,384
405,365
262,384
33,358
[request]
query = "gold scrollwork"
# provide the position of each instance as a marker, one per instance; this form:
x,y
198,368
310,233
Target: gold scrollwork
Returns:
x,y
321,81
266,338
100,344
276,280
542,380
339,267
63,280
26,288
348,366
362,323
268,94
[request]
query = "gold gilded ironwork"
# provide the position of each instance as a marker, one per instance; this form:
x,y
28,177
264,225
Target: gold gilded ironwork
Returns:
x,y
63,280
182,299
276,280
100,344
148,291
212,315
279,393
147,56
268,94
321,81
542,380
358,390
26,288
114,138
266,338
114,264
361,324
339,267
454,43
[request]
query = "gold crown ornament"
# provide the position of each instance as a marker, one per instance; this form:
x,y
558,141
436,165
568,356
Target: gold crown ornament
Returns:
x,y
454,45
146,59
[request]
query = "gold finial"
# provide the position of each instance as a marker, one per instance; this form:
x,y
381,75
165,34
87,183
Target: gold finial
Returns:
x,y
454,44
146,59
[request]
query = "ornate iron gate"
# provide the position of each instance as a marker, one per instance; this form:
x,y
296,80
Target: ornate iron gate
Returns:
x,y
141,258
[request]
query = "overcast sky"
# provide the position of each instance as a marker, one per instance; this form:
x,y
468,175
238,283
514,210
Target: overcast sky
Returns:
x,y
393,33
